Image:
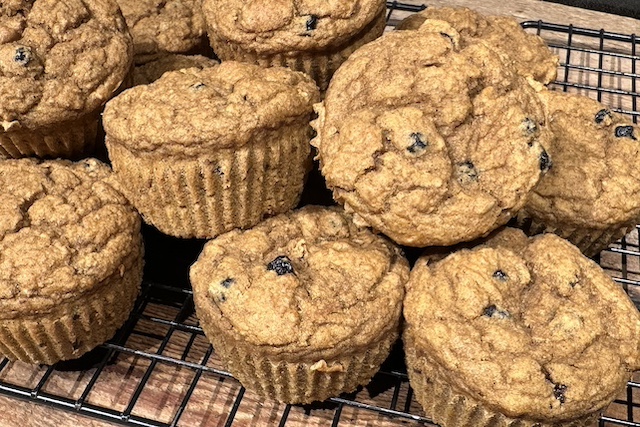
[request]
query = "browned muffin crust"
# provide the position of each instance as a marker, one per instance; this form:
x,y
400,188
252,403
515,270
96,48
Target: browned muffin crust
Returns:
x,y
64,230
215,107
526,52
274,26
49,51
171,26
522,327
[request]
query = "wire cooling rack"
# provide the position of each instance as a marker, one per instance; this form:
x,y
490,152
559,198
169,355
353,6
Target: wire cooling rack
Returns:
x,y
159,370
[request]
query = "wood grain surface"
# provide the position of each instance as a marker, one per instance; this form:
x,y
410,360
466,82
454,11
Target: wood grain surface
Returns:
x,y
213,396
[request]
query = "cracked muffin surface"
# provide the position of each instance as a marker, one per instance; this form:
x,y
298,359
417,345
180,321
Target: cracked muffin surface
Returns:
x,y
269,26
48,55
301,283
429,142
591,194
64,230
526,52
534,322
171,26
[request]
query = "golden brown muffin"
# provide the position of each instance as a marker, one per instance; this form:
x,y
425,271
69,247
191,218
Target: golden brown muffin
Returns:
x,y
59,63
70,258
514,333
164,26
302,307
591,196
314,36
153,70
202,151
527,53
428,142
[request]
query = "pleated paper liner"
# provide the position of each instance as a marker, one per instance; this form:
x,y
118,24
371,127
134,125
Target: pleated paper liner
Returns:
x,y
71,139
76,326
301,382
320,65
448,408
590,241
220,190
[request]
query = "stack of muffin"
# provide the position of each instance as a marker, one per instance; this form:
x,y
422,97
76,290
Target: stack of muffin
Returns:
x,y
431,136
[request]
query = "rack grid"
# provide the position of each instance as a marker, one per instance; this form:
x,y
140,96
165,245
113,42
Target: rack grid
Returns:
x,y
159,370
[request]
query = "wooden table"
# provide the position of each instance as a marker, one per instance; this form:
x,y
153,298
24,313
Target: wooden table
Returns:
x,y
253,411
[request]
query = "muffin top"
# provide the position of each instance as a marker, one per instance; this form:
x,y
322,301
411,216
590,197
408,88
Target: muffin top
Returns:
x,y
274,26
527,53
153,70
63,230
535,322
300,283
173,26
429,142
190,111
59,59
594,183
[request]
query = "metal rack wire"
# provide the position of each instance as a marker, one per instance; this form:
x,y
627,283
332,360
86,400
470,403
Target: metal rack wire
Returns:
x,y
161,346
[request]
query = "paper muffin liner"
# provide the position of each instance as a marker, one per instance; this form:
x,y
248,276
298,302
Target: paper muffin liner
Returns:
x,y
216,192
448,408
320,64
300,382
590,241
72,139
76,326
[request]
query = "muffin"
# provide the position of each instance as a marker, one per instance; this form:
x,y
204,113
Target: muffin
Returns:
x,y
526,52
513,333
591,195
306,35
169,26
71,263
203,151
153,70
429,142
51,91
302,307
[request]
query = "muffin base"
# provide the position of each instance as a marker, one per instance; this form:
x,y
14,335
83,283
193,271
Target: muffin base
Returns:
x,y
205,196
320,65
72,139
590,241
300,382
77,326
449,408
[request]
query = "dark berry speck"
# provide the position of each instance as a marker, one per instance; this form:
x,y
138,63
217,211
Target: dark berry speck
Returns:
x,y
312,23
226,283
418,143
601,115
545,162
198,86
493,311
529,126
468,171
559,391
281,265
22,56
500,275
625,131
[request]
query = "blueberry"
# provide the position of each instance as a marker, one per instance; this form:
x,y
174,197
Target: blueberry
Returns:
x,y
493,311
500,275
226,283
222,298
281,265
418,143
601,115
22,56
545,162
625,131
529,126
558,392
312,22
468,170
